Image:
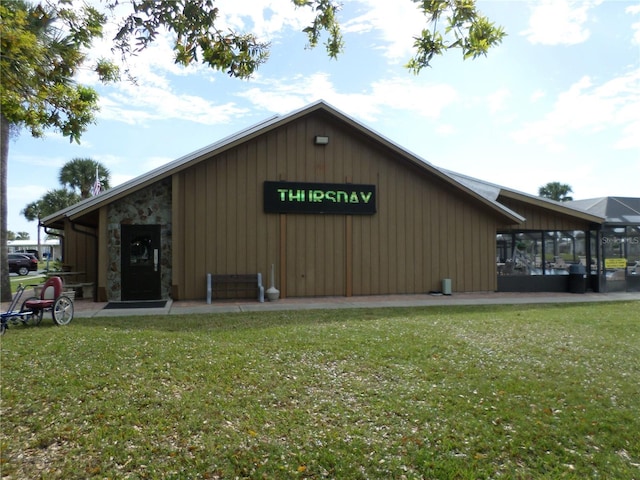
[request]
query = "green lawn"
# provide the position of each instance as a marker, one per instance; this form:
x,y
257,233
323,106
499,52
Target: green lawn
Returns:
x,y
31,279
440,393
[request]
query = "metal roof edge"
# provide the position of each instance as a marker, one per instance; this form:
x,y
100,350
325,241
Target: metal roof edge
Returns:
x,y
156,174
173,166
553,205
529,198
93,203
488,190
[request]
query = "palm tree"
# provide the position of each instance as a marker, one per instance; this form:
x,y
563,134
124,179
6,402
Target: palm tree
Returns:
x,y
556,191
80,174
55,200
49,203
31,212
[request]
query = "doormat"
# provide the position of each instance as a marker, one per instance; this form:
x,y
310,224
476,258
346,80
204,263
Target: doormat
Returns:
x,y
151,304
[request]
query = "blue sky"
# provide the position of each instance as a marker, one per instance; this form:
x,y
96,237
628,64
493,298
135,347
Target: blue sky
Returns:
x,y
559,100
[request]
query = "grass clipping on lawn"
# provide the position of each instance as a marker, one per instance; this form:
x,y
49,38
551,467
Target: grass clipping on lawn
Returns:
x,y
455,392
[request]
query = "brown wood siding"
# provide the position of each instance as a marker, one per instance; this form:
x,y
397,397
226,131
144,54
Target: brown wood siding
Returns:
x,y
538,218
422,234
424,230
80,250
220,202
315,255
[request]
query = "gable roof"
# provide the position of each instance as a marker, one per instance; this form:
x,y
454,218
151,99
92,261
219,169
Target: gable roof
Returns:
x,y
94,203
495,192
615,210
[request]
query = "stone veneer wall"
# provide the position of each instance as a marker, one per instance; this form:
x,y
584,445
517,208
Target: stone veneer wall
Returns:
x,y
150,206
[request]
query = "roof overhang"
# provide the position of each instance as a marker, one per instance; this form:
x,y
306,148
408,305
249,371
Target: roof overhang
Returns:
x,y
553,206
87,206
496,192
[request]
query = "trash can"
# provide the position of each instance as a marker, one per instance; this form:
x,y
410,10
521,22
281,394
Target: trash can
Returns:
x,y
446,286
577,278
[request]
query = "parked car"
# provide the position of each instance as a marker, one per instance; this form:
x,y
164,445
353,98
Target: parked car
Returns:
x,y
30,251
30,255
22,263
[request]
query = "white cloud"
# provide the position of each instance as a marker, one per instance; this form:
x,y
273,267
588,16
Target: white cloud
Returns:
x,y
287,94
109,160
266,19
396,26
148,67
357,105
634,10
559,22
537,95
425,99
42,162
154,95
269,18
25,194
498,99
587,108
446,129
636,33
116,107
630,138
138,104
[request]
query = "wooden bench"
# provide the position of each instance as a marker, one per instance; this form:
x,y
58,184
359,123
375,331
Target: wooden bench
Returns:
x,y
229,286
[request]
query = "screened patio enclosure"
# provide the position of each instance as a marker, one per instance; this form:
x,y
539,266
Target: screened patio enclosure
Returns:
x,y
621,258
609,255
619,245
546,260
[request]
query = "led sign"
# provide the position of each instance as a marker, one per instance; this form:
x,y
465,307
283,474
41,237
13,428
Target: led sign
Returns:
x,y
337,198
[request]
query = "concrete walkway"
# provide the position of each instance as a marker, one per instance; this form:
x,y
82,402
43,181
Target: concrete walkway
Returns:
x,y
88,309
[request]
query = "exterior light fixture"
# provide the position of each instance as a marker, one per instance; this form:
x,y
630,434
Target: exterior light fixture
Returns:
x,y
321,140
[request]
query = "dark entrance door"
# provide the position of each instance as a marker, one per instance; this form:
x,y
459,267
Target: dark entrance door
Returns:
x,y
141,262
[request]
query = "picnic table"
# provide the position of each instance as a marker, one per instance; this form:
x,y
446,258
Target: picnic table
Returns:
x,y
75,281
